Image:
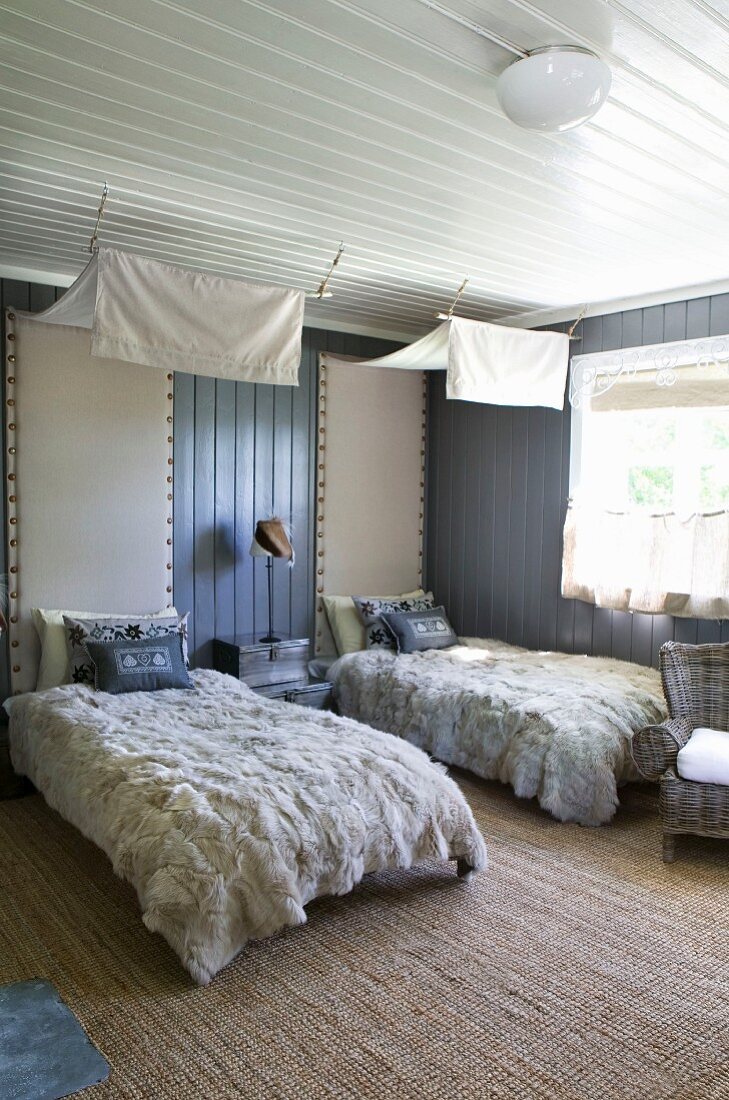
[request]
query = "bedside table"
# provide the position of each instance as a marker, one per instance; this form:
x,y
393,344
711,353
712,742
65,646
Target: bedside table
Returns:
x,y
305,693
263,664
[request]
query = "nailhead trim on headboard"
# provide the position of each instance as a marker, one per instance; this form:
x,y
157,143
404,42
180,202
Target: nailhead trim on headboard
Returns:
x,y
11,367
170,483
320,489
423,437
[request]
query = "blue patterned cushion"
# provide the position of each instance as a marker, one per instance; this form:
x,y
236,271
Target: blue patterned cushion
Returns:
x,y
371,609
146,664
415,631
81,631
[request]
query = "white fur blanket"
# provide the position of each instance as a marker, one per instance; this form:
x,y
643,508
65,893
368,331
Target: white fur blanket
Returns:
x,y
553,725
228,812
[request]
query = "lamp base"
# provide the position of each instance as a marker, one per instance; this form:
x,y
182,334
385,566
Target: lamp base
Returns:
x,y
269,638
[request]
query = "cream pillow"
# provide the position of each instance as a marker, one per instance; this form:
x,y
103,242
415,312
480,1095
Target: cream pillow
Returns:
x,y
54,662
345,623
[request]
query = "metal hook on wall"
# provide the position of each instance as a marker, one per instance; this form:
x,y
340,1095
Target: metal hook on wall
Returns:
x,y
447,316
322,291
575,323
99,216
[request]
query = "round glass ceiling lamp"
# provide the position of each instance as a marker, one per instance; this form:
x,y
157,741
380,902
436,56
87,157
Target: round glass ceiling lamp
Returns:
x,y
554,88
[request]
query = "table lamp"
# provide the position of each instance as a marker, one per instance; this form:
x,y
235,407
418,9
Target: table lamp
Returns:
x,y
271,540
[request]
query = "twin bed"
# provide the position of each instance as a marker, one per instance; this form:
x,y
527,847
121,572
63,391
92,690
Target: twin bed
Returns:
x,y
555,726
228,812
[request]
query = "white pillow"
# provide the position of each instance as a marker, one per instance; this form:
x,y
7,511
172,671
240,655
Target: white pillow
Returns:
x,y
345,623
54,666
705,759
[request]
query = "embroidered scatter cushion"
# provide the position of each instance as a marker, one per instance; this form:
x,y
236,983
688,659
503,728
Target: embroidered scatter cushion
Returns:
x,y
415,631
146,664
49,625
81,631
346,625
370,611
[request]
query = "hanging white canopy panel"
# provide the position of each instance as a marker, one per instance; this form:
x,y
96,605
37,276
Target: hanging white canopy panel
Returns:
x,y
78,304
145,311
490,364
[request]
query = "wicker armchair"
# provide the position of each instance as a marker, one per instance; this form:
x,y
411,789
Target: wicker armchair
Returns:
x,y
696,686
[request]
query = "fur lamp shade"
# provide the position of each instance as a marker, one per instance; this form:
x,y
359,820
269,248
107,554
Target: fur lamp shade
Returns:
x,y
271,539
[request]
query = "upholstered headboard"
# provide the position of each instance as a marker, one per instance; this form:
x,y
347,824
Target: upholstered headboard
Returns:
x,y
370,483
89,480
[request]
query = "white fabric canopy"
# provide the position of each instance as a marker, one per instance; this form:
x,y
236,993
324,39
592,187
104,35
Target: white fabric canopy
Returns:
x,y
145,311
490,364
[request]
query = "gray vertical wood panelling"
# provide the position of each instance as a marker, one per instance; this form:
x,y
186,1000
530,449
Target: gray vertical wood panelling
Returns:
x,y
498,482
244,452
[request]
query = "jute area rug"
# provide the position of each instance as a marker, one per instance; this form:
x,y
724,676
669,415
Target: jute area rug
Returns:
x,y
578,967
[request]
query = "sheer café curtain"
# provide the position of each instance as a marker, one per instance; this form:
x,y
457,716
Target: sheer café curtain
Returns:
x,y
637,560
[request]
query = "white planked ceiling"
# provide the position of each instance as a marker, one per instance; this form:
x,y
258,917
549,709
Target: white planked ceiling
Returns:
x,y
250,136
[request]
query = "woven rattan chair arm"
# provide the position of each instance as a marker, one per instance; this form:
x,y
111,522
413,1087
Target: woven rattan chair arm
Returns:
x,y
655,748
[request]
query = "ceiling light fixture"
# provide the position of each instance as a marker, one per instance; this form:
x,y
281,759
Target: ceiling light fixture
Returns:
x,y
554,88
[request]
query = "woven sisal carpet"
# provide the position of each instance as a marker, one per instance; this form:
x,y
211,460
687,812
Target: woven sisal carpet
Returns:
x,y
578,967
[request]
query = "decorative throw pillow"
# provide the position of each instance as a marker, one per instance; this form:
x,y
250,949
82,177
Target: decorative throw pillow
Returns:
x,y
146,664
371,610
415,631
346,625
53,670
81,631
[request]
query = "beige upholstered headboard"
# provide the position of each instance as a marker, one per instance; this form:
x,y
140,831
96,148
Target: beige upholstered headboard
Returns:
x,y
89,480
370,483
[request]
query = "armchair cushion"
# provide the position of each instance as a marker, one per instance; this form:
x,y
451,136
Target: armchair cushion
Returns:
x,y
705,757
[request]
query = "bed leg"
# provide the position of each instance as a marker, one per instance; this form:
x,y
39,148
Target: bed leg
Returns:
x,y
464,870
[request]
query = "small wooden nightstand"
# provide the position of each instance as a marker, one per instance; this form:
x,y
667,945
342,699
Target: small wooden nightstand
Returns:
x,y
278,670
262,664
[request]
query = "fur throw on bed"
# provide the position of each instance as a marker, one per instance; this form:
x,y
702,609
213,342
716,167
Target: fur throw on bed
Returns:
x,y
227,811
555,726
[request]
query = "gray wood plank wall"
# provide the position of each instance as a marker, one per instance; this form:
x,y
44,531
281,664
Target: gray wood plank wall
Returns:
x,y
498,482
244,452
241,452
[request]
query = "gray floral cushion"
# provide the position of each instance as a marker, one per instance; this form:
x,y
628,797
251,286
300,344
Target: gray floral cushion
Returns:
x,y
371,609
81,631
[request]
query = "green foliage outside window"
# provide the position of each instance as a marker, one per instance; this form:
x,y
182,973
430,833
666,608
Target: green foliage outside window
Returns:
x,y
651,487
714,487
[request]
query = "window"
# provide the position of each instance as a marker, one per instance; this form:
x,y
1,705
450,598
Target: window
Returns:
x,y
647,528
660,460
